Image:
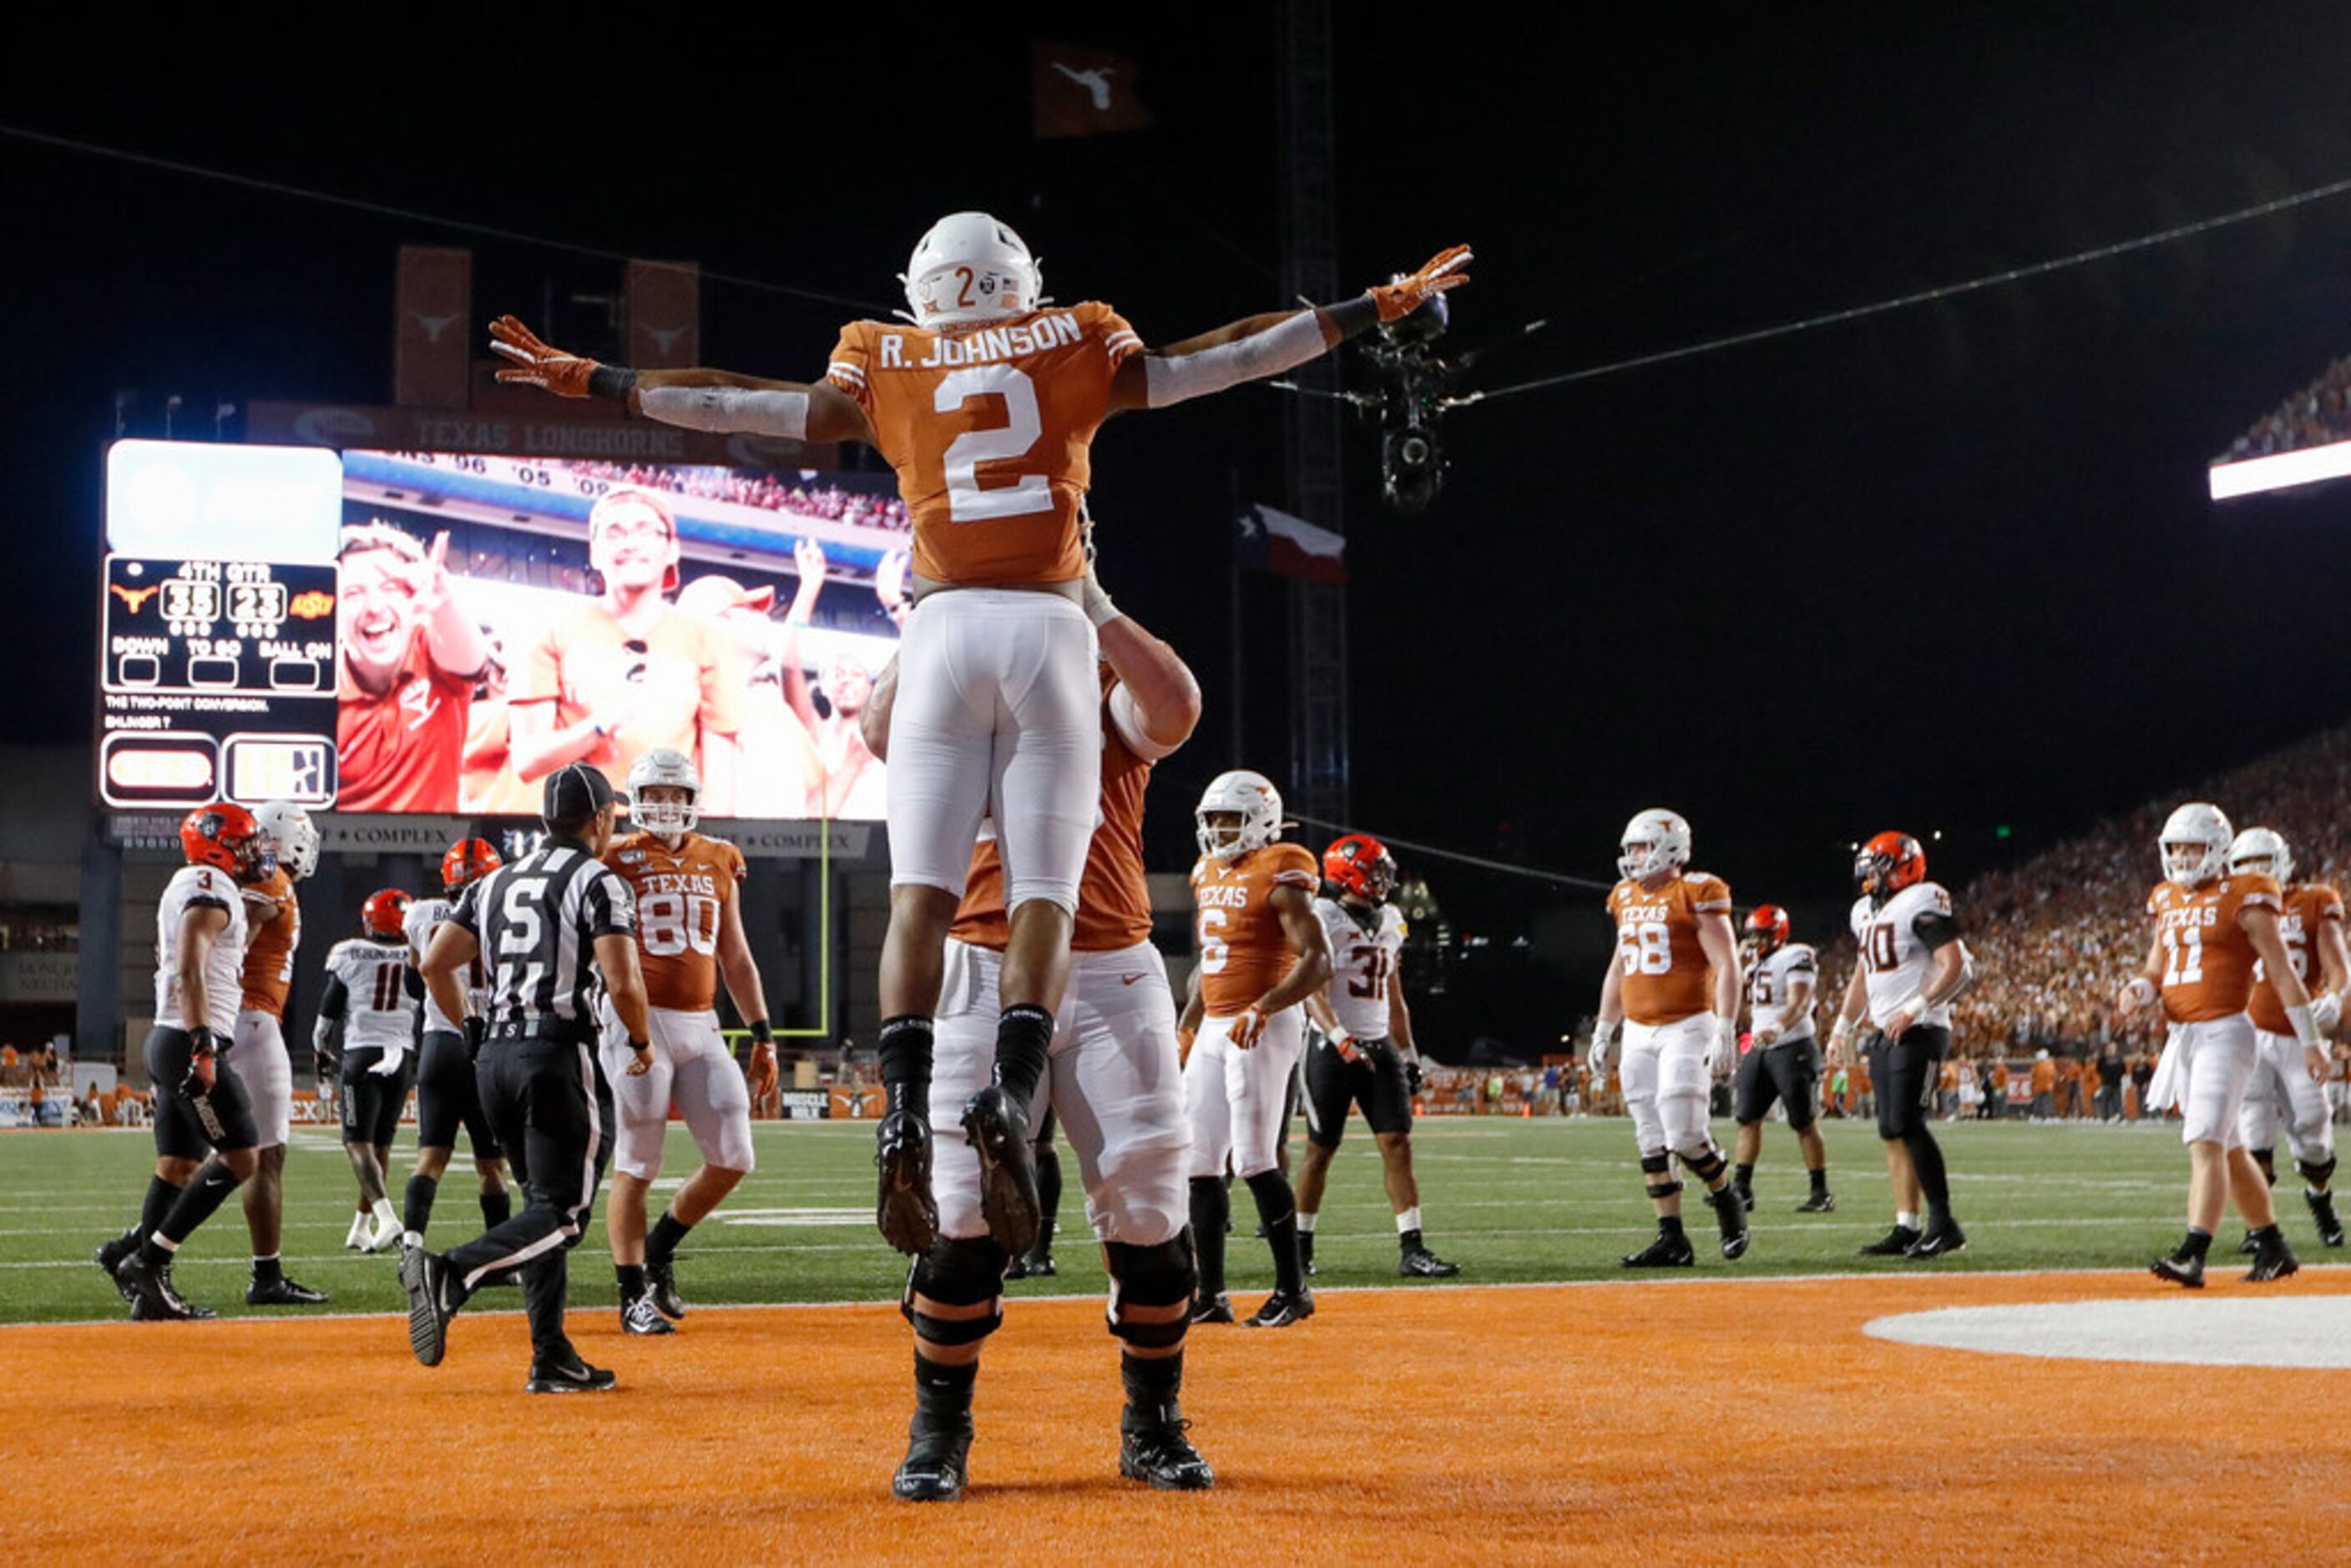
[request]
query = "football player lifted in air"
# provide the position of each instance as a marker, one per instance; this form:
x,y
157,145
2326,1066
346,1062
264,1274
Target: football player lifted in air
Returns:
x,y
1114,1082
1673,991
448,1095
367,1020
1913,967
1365,1056
2211,927
689,935
1262,953
2283,1087
201,930
260,1059
986,404
1784,1062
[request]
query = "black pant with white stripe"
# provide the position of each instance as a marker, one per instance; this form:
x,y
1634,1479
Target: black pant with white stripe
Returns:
x,y
553,1112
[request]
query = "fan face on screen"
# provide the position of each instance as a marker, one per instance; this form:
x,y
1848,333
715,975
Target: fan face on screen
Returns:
x,y
377,631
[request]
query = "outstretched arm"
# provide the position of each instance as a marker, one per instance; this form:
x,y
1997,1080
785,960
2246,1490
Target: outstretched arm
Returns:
x,y
697,399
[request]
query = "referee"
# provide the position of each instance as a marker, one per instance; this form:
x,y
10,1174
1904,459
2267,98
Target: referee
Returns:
x,y
543,927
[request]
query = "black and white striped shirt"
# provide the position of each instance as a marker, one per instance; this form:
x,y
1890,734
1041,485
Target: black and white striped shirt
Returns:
x,y
537,921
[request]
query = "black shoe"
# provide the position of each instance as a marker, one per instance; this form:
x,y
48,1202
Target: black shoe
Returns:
x,y
282,1292
425,1276
1667,1251
1026,1268
2180,1270
2322,1212
661,1288
907,1214
1746,1196
1731,1218
1819,1203
936,1463
1420,1263
1215,1308
1942,1237
998,1130
639,1315
1895,1243
1282,1309
575,1377
1152,1447
2274,1262
153,1298
1306,1252
2249,1245
109,1256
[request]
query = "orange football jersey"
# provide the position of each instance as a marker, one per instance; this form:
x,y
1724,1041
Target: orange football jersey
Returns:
x,y
991,431
269,953
1244,952
2208,960
1666,976
680,894
1114,899
2309,906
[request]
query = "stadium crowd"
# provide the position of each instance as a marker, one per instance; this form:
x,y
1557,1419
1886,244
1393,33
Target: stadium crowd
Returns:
x,y
2317,414
765,490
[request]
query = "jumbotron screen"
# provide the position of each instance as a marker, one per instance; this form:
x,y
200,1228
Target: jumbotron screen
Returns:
x,y
407,632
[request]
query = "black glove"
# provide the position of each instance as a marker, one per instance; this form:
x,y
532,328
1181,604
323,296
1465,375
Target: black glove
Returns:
x,y
478,1029
204,1056
1412,1076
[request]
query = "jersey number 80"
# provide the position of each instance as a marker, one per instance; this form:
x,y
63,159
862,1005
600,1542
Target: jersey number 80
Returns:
x,y
670,923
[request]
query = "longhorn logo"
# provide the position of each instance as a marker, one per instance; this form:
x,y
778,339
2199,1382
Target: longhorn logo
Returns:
x,y
134,597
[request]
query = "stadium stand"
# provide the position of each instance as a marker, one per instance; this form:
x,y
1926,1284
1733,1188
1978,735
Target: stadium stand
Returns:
x,y
2315,415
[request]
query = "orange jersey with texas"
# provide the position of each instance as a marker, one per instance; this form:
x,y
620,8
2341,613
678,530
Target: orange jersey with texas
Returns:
x,y
681,895
991,431
1666,972
2309,906
1243,951
2208,959
269,955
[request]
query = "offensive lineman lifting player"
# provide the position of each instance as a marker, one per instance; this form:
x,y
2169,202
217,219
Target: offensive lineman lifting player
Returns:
x,y
987,407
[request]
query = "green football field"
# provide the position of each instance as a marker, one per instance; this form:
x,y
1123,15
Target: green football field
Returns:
x,y
1510,1200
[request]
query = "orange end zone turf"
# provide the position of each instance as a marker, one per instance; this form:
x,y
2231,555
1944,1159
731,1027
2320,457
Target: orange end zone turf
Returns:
x,y
1698,1422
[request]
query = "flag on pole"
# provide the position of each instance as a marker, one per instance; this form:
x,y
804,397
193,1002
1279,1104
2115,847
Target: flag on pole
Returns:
x,y
1084,92
1274,541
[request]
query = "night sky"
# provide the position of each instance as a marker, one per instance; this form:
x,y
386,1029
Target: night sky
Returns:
x,y
1947,569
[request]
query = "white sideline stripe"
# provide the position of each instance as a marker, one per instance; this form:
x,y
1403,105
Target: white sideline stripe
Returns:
x,y
1698,1282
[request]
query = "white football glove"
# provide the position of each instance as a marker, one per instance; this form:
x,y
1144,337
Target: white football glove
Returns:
x,y
1603,1045
2140,993
1723,1053
2325,1012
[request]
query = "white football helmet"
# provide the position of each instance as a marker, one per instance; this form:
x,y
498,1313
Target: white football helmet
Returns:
x,y
1654,843
664,818
287,833
1253,796
2194,846
968,270
2256,845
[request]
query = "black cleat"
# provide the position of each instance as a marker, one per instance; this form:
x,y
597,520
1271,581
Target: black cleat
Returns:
x,y
1215,1308
2249,1245
998,1130
282,1292
1819,1203
1306,1252
661,1288
109,1256
153,1298
1730,1217
2274,1262
936,1464
1420,1263
906,1213
1746,1196
575,1377
1152,1447
1667,1251
2180,1270
1025,1267
425,1276
1942,1237
639,1315
2322,1212
1895,1243
1282,1309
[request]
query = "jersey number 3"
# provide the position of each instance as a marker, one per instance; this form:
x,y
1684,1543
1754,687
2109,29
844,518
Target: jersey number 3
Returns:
x,y
1031,494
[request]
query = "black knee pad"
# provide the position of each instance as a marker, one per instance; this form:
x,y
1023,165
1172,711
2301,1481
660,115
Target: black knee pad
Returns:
x,y
962,1273
2316,1173
1656,1165
2267,1160
1161,1276
1706,1165
1664,1188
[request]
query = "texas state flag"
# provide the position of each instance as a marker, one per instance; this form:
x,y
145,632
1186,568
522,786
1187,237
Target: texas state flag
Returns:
x,y
1271,541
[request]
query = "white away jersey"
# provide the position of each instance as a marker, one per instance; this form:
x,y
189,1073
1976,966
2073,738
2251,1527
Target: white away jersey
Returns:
x,y
1363,966
1767,990
418,925
202,888
1895,958
379,1012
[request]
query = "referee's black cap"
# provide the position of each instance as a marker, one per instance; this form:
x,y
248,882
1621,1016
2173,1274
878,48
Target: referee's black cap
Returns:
x,y
576,791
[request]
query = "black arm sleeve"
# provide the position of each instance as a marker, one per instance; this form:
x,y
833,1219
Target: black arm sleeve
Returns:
x,y
337,1002
1936,929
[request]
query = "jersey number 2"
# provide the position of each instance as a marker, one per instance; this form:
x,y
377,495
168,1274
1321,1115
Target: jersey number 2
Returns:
x,y
966,502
